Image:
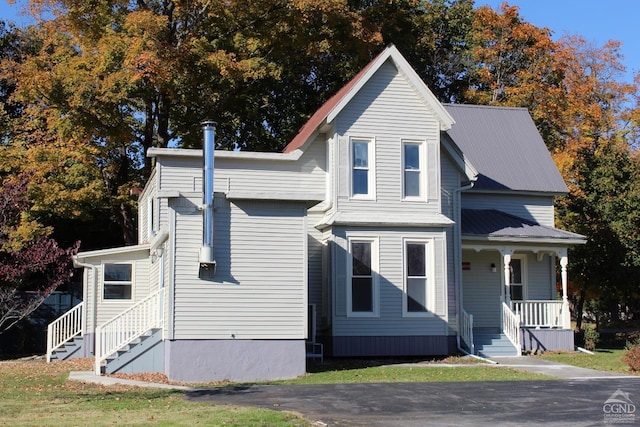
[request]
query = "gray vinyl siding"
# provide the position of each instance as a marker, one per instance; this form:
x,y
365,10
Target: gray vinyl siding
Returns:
x,y
315,253
481,287
306,175
451,179
535,208
149,192
259,287
108,309
180,174
388,110
539,278
390,321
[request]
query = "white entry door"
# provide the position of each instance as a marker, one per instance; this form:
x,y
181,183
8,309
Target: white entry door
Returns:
x,y
518,280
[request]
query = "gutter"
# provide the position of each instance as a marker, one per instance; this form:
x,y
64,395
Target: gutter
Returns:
x,y
457,255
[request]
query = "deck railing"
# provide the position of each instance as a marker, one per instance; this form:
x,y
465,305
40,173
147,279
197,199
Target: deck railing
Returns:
x,y
466,331
539,313
127,326
64,328
511,325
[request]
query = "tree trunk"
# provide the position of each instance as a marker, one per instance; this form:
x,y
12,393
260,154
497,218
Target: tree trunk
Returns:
x,y
580,306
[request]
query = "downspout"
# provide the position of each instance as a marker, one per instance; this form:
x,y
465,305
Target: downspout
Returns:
x,y
94,269
457,255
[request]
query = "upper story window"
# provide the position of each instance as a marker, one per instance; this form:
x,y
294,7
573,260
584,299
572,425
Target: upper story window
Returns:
x,y
362,285
362,164
118,281
413,169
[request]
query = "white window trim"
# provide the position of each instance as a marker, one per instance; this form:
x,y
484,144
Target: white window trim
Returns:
x,y
133,275
371,190
430,267
375,279
423,169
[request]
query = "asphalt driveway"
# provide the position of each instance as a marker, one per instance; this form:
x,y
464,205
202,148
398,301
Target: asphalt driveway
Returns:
x,y
552,403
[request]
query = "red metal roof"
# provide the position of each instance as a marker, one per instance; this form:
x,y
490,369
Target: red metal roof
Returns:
x,y
321,114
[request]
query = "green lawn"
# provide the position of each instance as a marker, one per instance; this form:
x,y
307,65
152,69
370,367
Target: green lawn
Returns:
x,y
603,359
416,374
387,370
35,393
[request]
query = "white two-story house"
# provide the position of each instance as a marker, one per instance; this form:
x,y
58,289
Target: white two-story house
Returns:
x,y
391,225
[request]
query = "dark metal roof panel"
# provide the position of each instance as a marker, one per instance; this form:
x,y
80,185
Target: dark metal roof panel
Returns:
x,y
498,224
503,144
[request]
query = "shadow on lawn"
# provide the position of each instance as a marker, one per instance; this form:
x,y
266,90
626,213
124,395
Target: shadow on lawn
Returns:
x,y
349,363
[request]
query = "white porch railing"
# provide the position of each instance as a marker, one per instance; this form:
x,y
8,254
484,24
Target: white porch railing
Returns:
x,y
63,329
511,326
128,325
540,313
466,331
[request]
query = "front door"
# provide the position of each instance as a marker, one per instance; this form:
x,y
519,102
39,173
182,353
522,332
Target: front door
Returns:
x,y
517,277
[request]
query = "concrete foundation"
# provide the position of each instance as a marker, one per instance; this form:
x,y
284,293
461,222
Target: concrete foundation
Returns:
x,y
234,360
547,339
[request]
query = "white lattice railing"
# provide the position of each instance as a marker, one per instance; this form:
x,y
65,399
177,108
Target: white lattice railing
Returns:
x,y
547,314
64,328
127,326
511,325
466,331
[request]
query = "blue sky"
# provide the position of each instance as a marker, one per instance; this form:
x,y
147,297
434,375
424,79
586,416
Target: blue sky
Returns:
x,y
596,20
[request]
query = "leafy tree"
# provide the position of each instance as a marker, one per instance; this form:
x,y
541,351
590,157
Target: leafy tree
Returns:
x,y
113,78
514,63
433,35
32,265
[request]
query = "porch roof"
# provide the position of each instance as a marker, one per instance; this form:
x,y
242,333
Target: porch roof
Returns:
x,y
500,226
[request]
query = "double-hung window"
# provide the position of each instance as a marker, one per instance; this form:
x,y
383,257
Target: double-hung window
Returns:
x,y
417,278
117,281
413,178
362,285
362,164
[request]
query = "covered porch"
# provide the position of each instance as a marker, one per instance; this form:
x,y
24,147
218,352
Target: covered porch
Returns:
x,y
514,285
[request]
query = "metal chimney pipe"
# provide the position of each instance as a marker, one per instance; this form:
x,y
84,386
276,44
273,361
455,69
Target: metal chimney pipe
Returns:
x,y
208,147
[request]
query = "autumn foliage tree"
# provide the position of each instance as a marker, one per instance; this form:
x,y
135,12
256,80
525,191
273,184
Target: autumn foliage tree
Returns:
x,y
32,265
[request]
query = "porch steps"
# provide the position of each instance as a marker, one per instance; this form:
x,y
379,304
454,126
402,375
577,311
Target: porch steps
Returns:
x,y
490,342
68,350
137,353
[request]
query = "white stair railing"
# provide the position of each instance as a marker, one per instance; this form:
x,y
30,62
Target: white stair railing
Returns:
x,y
127,326
539,313
511,326
63,329
466,331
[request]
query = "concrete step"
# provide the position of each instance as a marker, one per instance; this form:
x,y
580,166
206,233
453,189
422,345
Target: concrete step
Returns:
x,y
491,342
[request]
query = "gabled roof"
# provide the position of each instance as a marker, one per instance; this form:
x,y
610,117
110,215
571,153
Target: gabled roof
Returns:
x,y
500,226
506,149
330,109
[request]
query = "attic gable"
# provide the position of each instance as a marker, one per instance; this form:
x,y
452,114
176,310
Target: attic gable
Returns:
x,y
332,108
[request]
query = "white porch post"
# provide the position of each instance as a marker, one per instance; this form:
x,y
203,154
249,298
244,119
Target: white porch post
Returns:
x,y
506,260
566,315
